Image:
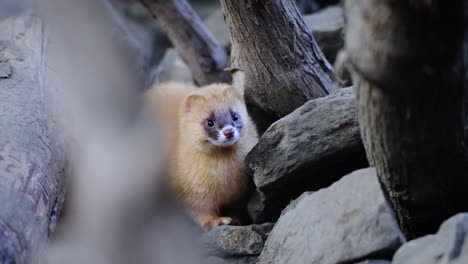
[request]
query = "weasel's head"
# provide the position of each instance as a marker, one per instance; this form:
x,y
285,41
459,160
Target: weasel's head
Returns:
x,y
214,115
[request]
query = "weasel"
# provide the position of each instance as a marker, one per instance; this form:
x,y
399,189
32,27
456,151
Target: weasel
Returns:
x,y
209,134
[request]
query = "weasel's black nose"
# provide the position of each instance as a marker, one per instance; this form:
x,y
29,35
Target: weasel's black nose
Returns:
x,y
228,133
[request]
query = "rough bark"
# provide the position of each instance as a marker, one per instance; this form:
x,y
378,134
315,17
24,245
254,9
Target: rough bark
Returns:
x,y
31,157
408,74
275,49
198,48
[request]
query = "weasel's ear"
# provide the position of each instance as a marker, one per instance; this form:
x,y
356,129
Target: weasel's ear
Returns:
x,y
191,101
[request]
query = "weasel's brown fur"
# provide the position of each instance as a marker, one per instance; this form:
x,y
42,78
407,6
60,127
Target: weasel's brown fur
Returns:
x,y
204,176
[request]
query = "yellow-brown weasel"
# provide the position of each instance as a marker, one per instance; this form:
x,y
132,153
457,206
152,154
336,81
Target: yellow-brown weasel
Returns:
x,y
209,134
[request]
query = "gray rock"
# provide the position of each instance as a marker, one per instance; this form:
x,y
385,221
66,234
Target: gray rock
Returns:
x,y
327,27
448,246
306,150
347,222
234,241
173,68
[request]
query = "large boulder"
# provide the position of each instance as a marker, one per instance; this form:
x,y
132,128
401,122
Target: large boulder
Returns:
x,y
305,151
345,223
448,246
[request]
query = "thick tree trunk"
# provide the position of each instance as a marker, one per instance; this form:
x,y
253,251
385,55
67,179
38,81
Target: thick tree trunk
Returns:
x,y
406,61
31,157
196,45
273,46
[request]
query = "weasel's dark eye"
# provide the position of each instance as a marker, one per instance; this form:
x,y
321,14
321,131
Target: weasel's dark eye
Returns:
x,y
235,117
210,123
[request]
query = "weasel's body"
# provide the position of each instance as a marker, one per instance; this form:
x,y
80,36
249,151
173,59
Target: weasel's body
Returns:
x,y
210,133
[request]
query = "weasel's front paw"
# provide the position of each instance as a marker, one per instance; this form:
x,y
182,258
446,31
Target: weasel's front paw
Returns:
x,y
216,221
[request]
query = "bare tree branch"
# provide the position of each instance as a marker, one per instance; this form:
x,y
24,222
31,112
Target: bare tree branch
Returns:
x,y
198,48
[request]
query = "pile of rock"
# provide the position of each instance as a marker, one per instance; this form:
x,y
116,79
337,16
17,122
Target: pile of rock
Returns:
x,y
348,222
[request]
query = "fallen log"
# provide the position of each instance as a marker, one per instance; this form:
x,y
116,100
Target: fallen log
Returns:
x,y
32,159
